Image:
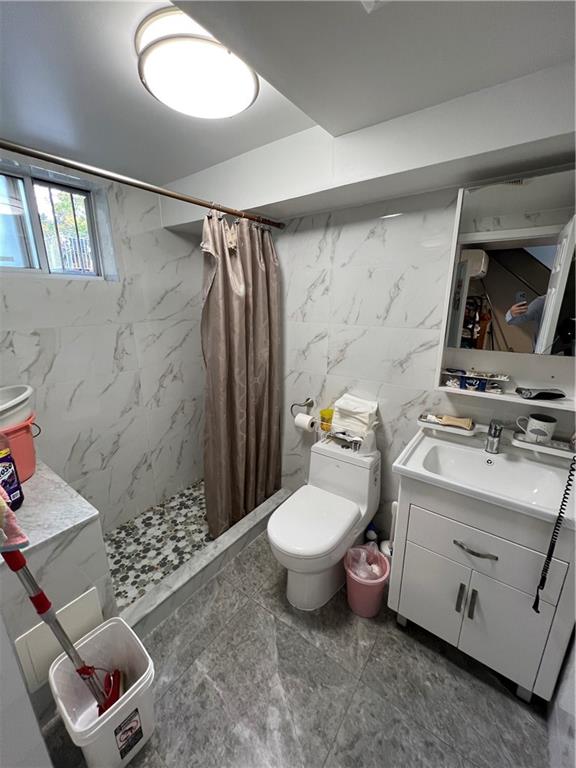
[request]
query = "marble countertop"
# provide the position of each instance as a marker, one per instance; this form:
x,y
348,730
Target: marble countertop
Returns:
x,y
51,507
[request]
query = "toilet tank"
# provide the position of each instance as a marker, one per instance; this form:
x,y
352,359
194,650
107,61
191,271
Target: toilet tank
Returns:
x,y
347,473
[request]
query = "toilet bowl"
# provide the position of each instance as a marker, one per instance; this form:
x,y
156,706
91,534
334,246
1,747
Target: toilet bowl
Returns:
x,y
311,531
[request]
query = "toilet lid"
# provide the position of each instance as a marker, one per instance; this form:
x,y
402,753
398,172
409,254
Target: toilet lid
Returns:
x,y
312,522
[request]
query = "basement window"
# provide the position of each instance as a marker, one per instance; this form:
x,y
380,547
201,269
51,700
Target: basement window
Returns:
x,y
67,229
52,227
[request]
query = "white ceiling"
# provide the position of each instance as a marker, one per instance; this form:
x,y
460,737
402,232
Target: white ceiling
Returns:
x,y
348,68
69,85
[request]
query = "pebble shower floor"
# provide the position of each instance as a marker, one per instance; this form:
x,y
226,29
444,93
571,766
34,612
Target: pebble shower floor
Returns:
x,y
145,550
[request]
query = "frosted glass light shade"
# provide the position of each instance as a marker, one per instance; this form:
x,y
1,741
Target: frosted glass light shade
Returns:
x,y
197,76
182,66
166,22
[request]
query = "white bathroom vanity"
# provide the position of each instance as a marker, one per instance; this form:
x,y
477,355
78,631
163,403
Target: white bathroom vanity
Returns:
x,y
472,533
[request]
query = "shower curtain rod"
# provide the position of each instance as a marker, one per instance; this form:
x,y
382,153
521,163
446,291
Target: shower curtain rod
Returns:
x,y
130,182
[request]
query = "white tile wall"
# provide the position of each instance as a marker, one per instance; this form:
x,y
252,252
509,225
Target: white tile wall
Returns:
x,y
363,302
363,299
117,366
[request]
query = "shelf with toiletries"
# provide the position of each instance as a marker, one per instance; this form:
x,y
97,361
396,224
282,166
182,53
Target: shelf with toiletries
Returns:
x,y
349,422
455,425
475,381
565,404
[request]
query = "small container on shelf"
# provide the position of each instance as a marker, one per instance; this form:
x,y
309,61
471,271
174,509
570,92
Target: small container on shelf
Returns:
x,y
475,381
326,415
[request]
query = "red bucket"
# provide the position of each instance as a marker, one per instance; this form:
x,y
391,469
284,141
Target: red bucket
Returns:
x,y
22,447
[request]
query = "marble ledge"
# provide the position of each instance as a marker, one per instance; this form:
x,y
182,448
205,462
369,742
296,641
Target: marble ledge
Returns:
x,y
148,611
51,507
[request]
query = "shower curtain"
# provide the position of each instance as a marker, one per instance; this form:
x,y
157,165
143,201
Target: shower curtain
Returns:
x,y
241,347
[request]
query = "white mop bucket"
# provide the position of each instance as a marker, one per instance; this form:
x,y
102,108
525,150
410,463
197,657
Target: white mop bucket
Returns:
x,y
114,738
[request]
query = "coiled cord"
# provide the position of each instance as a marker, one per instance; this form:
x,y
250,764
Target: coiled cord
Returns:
x,y
555,533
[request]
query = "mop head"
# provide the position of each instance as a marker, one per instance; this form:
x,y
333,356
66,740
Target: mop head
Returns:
x,y
11,535
114,688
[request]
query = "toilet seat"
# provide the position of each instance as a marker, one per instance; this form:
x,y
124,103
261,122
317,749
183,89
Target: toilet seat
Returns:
x,y
312,522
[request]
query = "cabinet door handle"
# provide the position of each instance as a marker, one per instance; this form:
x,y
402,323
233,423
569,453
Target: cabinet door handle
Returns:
x,y
472,606
460,597
483,555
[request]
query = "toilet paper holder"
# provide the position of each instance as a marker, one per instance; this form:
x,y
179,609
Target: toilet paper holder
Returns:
x,y
308,403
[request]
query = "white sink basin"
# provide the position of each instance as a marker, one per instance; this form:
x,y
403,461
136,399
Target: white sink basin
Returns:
x,y
513,478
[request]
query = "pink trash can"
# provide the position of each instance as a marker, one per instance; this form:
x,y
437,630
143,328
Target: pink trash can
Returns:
x,y
365,595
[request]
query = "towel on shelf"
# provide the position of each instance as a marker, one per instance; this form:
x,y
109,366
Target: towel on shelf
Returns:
x,y
353,414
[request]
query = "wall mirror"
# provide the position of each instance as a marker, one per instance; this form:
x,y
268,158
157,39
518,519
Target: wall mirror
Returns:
x,y
513,288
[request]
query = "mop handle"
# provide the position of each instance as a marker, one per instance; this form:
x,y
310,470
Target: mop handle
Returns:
x,y
16,561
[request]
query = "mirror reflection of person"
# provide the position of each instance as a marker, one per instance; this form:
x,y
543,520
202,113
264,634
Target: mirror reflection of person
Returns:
x,y
521,313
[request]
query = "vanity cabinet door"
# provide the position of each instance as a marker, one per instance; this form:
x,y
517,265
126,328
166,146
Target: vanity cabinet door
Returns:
x,y
501,630
434,592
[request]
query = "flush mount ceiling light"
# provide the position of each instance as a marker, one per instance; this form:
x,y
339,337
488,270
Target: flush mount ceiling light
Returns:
x,y
184,67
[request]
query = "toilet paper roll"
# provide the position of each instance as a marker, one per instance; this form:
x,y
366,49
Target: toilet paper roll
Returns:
x,y
305,422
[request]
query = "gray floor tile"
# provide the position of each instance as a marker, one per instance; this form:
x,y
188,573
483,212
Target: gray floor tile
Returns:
x,y
374,734
333,629
259,697
148,758
482,720
63,752
254,566
181,637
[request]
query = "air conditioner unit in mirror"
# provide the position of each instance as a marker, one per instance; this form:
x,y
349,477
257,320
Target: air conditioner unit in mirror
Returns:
x,y
477,260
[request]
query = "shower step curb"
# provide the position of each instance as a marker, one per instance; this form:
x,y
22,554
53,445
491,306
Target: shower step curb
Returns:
x,y
147,612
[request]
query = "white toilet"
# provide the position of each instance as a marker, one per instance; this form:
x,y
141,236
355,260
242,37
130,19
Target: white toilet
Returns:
x,y
310,532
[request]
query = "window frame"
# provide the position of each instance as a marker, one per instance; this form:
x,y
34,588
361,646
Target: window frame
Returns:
x,y
38,245
27,226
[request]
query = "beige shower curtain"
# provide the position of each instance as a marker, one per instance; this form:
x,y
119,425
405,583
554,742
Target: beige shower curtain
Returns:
x,y
241,346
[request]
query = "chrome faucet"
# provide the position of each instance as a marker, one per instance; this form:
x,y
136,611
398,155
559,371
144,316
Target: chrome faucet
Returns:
x,y
493,437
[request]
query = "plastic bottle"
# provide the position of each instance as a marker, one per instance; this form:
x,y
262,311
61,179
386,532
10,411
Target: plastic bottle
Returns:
x,y
9,475
371,534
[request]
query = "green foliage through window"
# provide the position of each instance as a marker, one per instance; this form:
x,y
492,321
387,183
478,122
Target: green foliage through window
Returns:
x,y
46,226
64,220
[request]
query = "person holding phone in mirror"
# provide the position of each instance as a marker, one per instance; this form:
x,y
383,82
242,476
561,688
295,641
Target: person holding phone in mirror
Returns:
x,y
523,312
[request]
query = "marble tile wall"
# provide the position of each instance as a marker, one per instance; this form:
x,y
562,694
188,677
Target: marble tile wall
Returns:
x,y
363,300
116,365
